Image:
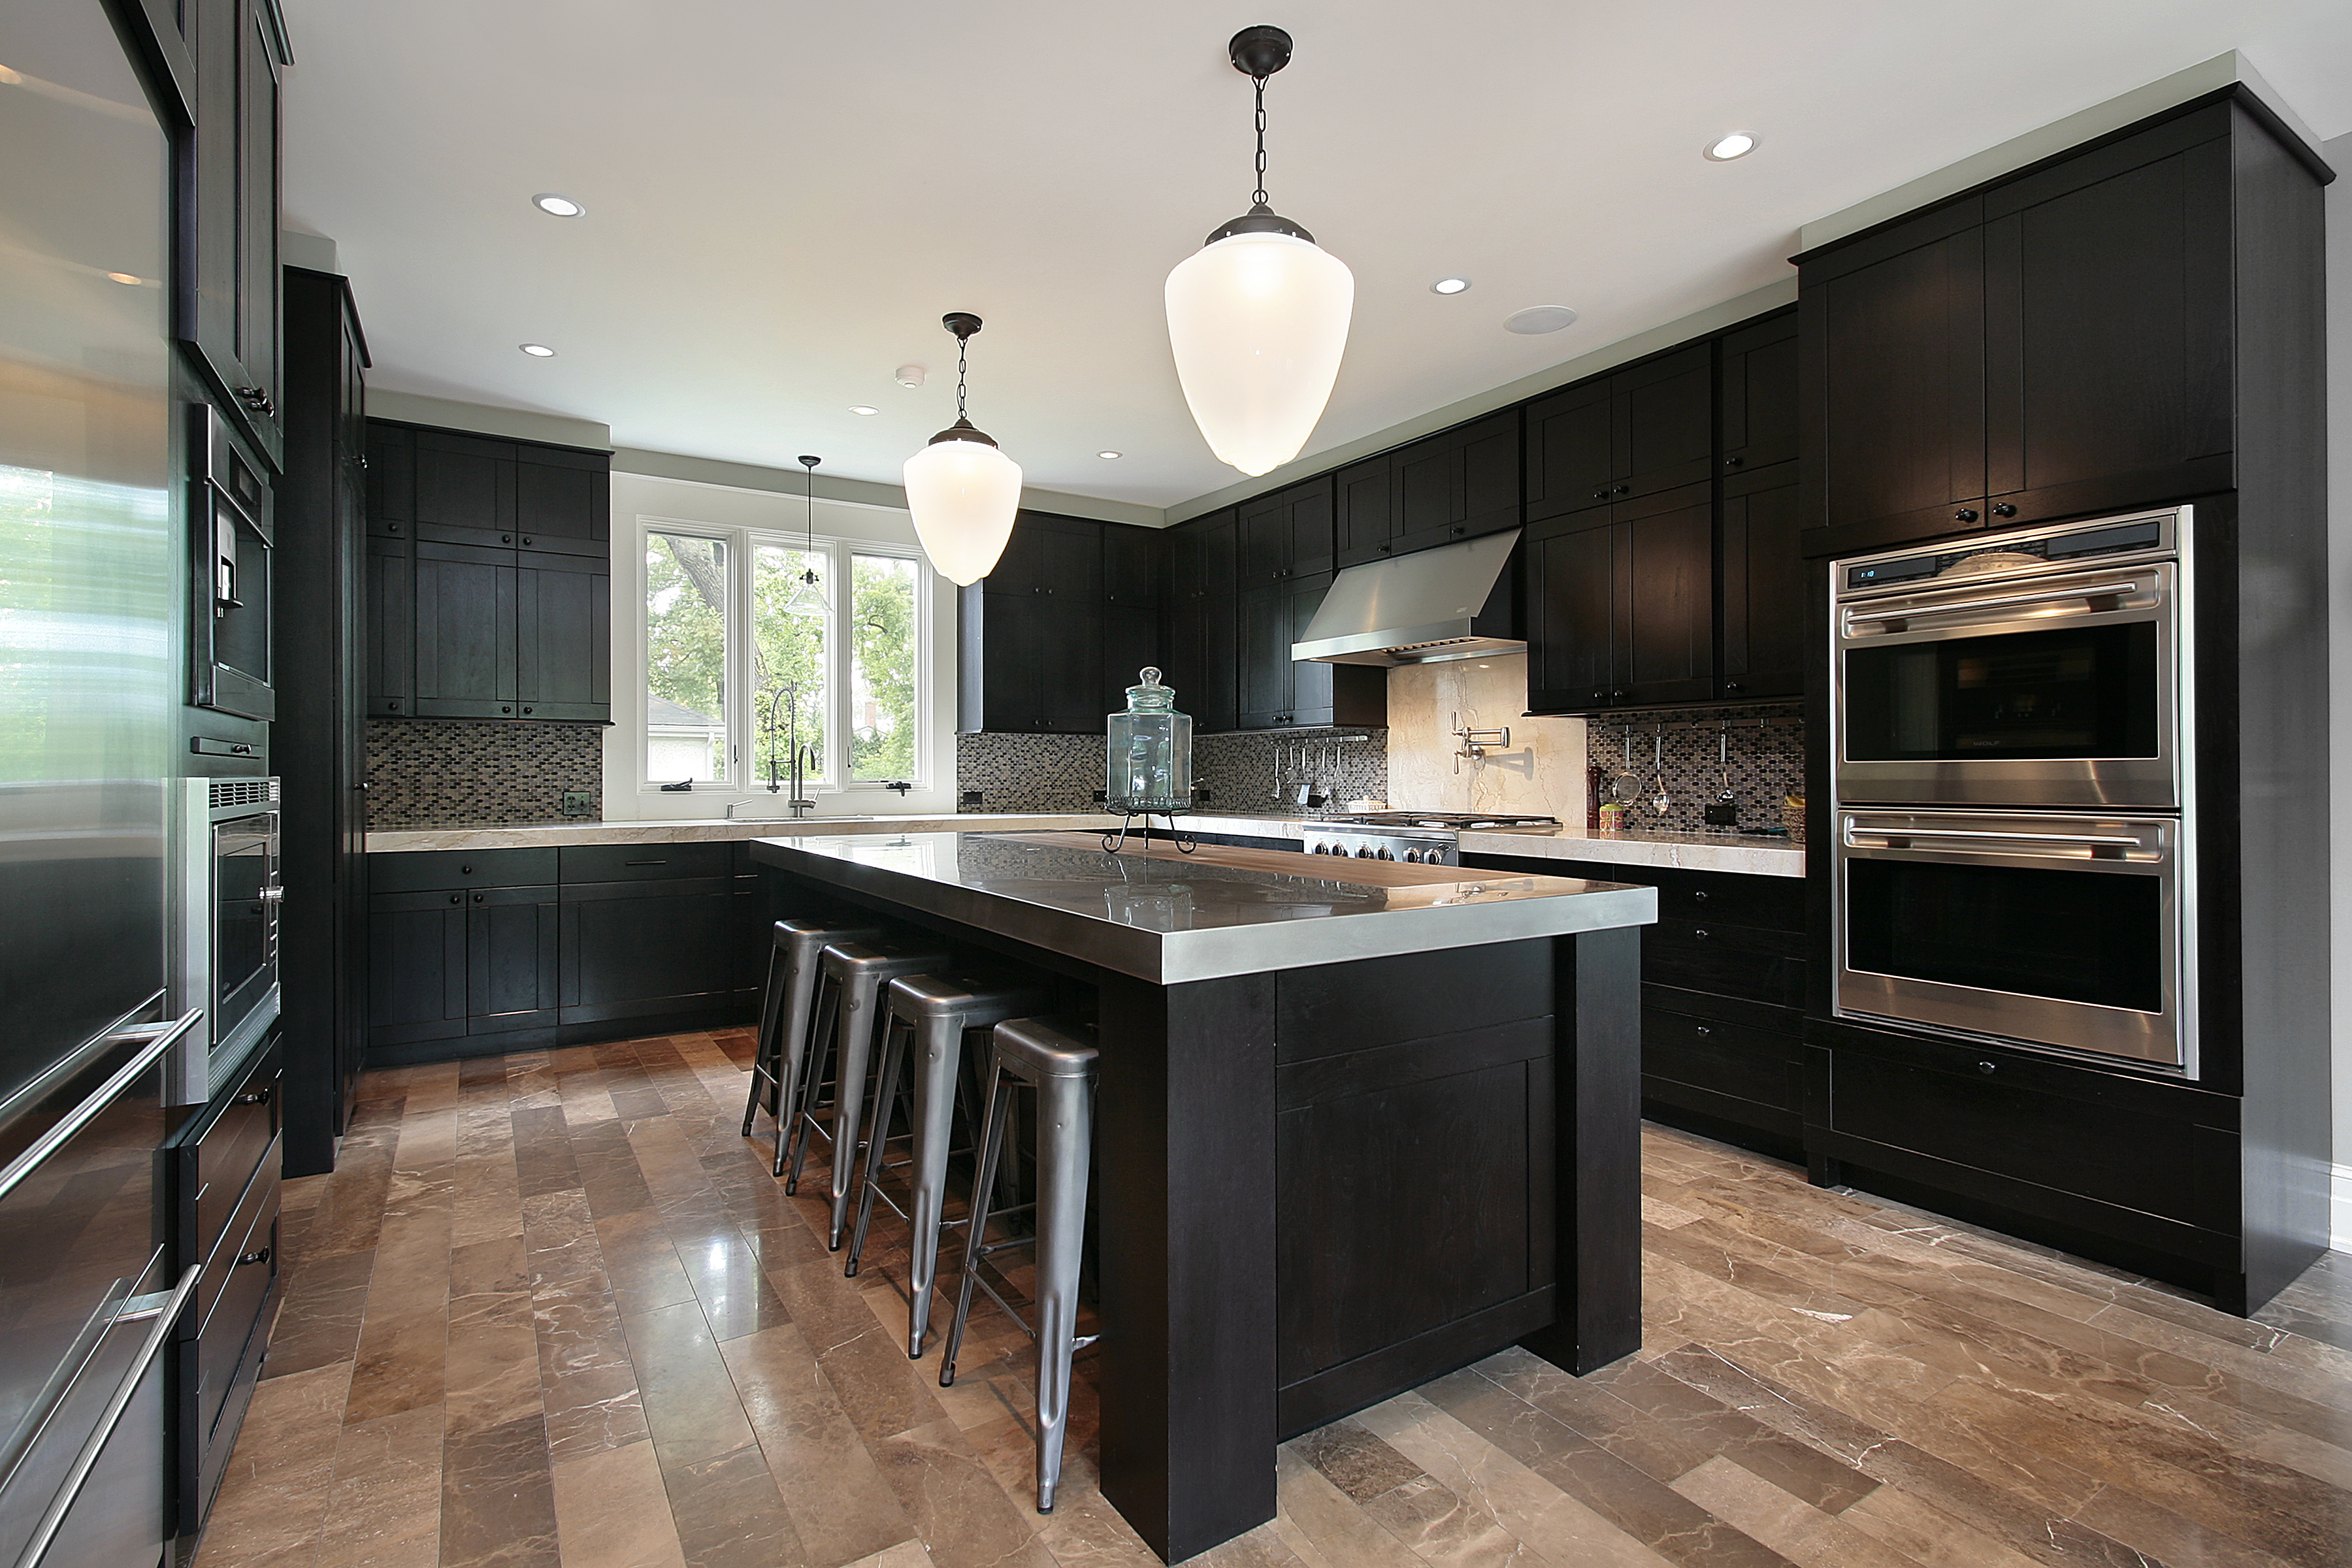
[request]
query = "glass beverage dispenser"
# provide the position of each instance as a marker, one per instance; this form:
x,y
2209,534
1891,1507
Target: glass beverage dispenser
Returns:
x,y
1149,770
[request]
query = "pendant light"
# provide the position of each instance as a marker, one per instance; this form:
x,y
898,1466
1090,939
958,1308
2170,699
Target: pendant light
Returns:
x,y
960,489
1258,316
808,504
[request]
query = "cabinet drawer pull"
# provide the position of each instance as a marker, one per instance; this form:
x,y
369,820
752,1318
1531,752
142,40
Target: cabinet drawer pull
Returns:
x,y
258,1255
644,862
258,1097
465,870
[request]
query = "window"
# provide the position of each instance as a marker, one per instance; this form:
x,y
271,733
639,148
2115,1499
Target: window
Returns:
x,y
759,644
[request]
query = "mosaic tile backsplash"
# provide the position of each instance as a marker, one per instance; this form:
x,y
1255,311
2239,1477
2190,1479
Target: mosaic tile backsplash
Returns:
x,y
444,773
1061,773
1767,753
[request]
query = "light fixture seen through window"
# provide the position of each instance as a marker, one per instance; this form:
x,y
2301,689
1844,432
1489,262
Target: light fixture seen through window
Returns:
x,y
960,489
554,206
537,351
1258,316
1723,149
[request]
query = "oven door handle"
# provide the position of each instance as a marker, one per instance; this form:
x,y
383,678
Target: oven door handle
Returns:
x,y
2124,839
1855,615
154,1040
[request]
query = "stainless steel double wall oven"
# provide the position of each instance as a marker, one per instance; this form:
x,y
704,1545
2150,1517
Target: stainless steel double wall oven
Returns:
x,y
2011,718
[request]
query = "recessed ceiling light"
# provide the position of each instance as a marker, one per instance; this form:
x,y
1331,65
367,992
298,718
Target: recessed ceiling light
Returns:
x,y
128,279
1538,319
554,206
862,408
1723,149
1107,454
1449,286
537,351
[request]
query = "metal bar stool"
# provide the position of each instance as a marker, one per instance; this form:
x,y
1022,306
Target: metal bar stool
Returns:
x,y
787,1006
853,974
1056,1058
929,1014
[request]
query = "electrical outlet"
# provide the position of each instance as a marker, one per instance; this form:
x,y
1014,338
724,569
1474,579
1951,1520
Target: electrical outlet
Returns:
x,y
579,802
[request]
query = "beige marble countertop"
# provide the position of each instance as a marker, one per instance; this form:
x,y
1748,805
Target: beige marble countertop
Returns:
x,y
699,830
1741,853
1745,853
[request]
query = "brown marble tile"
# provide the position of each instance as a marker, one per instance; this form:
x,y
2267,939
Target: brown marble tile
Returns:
x,y
1355,1461
840,1504
543,1159
498,1501
731,1514
592,1409
729,1282
641,1263
691,1404
320,1317
384,1510
492,1371
957,1507
610,1510
402,1358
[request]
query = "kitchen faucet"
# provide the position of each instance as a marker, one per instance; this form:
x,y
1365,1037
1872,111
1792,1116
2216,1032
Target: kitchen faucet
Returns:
x,y
803,763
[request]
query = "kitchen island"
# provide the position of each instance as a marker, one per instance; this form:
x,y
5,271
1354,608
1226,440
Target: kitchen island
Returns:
x,y
1358,1124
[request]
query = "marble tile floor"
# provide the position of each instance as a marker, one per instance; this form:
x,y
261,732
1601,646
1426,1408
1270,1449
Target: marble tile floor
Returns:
x,y
550,1313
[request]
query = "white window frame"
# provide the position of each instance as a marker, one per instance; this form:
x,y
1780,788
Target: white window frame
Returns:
x,y
744,774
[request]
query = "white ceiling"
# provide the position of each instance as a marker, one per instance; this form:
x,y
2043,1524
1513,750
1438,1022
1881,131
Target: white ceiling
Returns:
x,y
784,196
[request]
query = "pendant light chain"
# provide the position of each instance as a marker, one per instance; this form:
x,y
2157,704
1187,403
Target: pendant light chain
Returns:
x,y
1259,82
961,344
808,506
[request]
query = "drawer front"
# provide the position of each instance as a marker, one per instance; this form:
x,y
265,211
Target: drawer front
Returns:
x,y
237,1283
428,869
1773,903
644,862
1734,960
1724,1059
236,1144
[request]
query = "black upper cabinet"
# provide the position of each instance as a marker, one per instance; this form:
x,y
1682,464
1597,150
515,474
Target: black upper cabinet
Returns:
x,y
1758,382
228,293
1634,432
1572,614
1763,586
1286,534
1455,485
2061,344
490,591
1050,556
1133,565
1620,604
1201,617
1030,650
1278,694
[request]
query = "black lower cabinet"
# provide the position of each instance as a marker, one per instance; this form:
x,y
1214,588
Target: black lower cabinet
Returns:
x,y
472,954
225,1180
1723,988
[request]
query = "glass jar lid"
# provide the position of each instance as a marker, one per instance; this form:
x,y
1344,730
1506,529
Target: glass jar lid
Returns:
x,y
1151,697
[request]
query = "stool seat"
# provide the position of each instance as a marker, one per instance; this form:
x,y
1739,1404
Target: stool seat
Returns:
x,y
1039,1048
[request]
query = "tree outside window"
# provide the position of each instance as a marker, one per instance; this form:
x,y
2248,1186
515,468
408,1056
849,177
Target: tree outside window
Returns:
x,y
792,623
686,657
882,667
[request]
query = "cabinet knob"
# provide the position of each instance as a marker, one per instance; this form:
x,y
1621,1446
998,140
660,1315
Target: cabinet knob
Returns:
x,y
465,870
1457,528
1601,494
526,709
1700,935
393,705
1701,1029
258,1097
1984,1066
392,528
506,707
1700,895
1622,695
1733,685
457,898
261,1255
1386,548
478,898
1965,514
1620,489
1733,462
526,540
2002,509
506,539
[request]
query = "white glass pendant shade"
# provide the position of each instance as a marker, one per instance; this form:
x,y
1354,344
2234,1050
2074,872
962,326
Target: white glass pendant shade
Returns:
x,y
962,494
1258,323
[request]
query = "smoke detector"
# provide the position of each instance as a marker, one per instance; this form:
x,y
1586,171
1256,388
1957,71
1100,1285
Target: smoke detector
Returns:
x,y
909,375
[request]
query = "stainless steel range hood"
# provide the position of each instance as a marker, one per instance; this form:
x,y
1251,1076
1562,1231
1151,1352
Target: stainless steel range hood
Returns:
x,y
1416,609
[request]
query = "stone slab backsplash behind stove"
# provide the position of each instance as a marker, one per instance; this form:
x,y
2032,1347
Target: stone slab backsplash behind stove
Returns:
x,y
431,773
1061,773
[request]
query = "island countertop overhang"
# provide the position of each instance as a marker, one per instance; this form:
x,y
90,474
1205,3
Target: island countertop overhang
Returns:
x,y
1169,919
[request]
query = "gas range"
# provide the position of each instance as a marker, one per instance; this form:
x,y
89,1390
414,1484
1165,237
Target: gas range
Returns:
x,y
1416,837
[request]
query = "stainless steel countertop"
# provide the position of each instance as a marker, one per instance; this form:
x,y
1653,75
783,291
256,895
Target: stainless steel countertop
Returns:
x,y
1167,918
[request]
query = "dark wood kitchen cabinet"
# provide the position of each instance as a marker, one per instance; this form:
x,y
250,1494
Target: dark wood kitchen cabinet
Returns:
x,y
319,739
228,303
1633,432
2058,344
1621,604
1278,694
1760,558
1455,485
489,590
1201,617
1285,534
1030,636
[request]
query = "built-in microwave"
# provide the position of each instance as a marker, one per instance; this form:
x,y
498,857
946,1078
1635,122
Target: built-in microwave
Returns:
x,y
2042,669
230,901
233,540
2053,930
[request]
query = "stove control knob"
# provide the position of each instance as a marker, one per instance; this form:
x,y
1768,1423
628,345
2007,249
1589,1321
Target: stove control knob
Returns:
x,y
1386,855
1365,853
